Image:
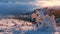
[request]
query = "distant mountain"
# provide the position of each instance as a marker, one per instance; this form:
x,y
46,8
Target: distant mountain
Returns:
x,y
52,10
55,11
46,10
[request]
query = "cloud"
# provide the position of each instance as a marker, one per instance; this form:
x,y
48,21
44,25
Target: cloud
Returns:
x,y
48,3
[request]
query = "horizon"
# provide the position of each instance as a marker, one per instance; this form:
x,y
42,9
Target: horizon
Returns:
x,y
17,6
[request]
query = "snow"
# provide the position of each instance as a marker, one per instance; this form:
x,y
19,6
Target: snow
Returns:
x,y
24,28
15,26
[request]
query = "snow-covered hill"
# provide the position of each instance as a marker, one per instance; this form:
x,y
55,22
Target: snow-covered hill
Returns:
x,y
42,22
16,26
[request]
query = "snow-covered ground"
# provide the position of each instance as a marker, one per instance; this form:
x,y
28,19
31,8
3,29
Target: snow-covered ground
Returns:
x,y
46,25
15,26
10,25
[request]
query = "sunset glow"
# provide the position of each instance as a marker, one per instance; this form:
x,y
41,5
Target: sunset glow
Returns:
x,y
47,3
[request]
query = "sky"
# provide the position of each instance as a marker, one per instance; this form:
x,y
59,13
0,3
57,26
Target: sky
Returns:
x,y
17,6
